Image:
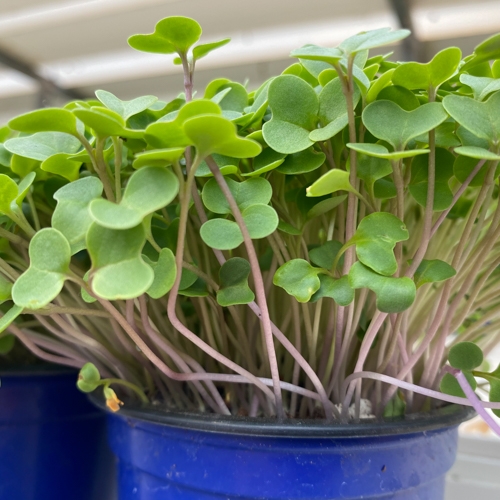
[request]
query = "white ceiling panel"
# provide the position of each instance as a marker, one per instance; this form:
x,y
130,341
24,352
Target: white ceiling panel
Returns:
x,y
82,44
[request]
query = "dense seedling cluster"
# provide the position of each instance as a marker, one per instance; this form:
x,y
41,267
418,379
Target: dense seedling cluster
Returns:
x,y
328,237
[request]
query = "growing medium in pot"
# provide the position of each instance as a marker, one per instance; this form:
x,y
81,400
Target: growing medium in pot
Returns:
x,y
323,246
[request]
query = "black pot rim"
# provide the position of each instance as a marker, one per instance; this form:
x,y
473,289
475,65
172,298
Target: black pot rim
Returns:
x,y
41,370
447,416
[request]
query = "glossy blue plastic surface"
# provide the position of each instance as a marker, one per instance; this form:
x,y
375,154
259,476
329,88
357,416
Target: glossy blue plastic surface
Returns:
x,y
163,462
52,440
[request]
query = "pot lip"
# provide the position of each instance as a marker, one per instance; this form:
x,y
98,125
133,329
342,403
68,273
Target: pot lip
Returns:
x,y
41,370
445,417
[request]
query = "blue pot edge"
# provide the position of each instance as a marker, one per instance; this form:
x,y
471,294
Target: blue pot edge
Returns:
x,y
42,370
447,416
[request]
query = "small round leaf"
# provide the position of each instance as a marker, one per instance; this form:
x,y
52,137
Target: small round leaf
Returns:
x,y
449,384
465,356
221,234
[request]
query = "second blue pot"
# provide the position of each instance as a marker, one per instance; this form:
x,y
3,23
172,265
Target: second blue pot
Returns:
x,y
189,457
52,440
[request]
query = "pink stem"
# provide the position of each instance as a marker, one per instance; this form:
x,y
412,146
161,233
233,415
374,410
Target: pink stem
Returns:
x,y
473,399
258,282
416,388
377,321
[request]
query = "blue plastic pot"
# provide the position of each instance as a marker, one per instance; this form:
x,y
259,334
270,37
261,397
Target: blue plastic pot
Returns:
x,y
52,440
188,457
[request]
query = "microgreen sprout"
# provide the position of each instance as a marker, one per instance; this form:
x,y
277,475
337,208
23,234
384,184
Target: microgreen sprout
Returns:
x,y
290,251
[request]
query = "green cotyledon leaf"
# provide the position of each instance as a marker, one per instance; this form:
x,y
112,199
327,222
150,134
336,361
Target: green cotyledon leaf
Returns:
x,y
215,134
325,206
172,34
403,97
324,255
375,239
442,67
449,384
389,122
22,166
432,271
42,145
165,272
302,162
71,216
24,187
234,97
464,165
332,110
396,407
157,157
316,53
481,86
227,166
495,394
148,190
125,109
371,168
46,120
377,85
5,156
5,289
261,220
203,49
106,123
493,378
62,164
337,289
169,133
12,196
300,70
221,234
479,118
9,192
249,192
465,356
476,153
118,269
50,255
7,343
294,106
89,378
445,136
487,50
298,278
443,196
331,182
266,161
372,39
197,289
234,287
394,295
380,151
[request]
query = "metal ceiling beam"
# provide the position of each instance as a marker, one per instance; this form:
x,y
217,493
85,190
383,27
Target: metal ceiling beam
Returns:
x,y
46,85
413,49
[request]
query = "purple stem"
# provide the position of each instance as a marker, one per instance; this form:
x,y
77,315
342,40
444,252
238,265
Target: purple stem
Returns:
x,y
327,404
218,403
473,399
377,321
416,388
280,336
258,282
457,195
51,358
172,298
